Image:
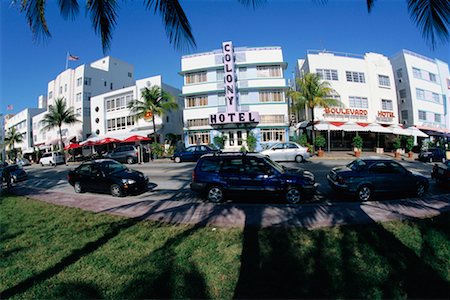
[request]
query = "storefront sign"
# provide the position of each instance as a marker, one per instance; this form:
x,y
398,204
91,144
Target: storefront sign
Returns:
x,y
345,111
234,117
385,116
230,78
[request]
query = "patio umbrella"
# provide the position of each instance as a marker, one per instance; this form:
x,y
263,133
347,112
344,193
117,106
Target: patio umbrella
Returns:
x,y
108,141
136,138
72,146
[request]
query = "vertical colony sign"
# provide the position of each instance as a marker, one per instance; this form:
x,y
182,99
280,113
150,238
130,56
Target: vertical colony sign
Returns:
x,y
232,115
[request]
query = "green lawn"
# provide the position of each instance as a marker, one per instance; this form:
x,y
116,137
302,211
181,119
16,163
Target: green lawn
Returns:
x,y
49,252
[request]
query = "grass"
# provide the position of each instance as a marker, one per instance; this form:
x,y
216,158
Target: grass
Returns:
x,y
49,252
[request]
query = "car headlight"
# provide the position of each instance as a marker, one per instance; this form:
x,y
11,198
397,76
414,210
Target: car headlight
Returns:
x,y
128,181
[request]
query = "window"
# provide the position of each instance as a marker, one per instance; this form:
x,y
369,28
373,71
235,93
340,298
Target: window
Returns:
x,y
105,83
198,122
111,86
420,94
386,104
271,96
87,81
402,93
87,96
221,99
436,97
417,73
78,97
79,111
210,165
220,75
202,137
327,74
268,71
404,114
422,115
242,73
196,77
79,81
130,74
272,135
117,103
233,166
400,73
358,102
355,77
267,119
437,118
50,95
432,77
65,87
194,101
60,90
130,121
383,80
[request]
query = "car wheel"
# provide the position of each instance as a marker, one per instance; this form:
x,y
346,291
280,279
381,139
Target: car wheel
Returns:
x,y
299,158
116,190
130,160
77,187
420,189
364,193
293,195
42,164
215,194
177,159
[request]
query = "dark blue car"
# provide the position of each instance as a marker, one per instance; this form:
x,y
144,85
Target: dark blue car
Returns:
x,y
192,153
220,174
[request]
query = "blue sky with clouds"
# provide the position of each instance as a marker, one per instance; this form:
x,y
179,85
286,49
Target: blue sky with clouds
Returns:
x,y
139,38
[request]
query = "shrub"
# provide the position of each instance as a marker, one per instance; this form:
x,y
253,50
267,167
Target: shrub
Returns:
x,y
320,141
409,144
397,143
157,149
251,142
219,141
243,149
357,142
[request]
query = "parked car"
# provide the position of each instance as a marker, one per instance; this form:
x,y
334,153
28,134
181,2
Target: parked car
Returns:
x,y
368,176
124,154
23,162
441,173
16,173
434,154
107,175
51,159
289,151
220,174
192,153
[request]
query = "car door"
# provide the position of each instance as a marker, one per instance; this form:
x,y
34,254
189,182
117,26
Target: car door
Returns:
x,y
259,176
85,177
189,153
401,180
291,151
276,152
379,176
232,173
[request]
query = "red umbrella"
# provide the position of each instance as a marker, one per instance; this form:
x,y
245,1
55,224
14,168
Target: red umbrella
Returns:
x,y
136,138
107,141
89,143
72,146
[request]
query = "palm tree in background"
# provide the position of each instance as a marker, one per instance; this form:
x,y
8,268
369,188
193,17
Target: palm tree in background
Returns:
x,y
11,138
155,102
430,16
312,92
58,115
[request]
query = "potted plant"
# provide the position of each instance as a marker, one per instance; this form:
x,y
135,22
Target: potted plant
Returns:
x,y
409,145
251,142
396,144
320,142
357,144
219,141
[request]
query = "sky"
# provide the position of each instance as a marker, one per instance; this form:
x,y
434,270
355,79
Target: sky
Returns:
x,y
139,38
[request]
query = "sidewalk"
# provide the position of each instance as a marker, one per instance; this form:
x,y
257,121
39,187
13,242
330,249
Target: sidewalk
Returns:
x,y
351,155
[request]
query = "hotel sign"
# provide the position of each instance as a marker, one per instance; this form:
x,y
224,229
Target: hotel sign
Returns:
x,y
232,115
385,116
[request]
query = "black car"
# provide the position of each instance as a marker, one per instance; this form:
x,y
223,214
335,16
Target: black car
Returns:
x,y
16,173
434,154
107,175
441,173
192,153
368,176
217,175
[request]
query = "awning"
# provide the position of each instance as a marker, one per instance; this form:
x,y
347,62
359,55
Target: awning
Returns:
x,y
72,146
353,127
325,126
416,132
397,129
375,127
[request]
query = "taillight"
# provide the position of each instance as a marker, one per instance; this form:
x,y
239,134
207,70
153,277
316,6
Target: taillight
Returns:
x,y
193,175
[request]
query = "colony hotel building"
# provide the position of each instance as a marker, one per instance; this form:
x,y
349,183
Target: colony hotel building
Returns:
x,y
365,86
234,91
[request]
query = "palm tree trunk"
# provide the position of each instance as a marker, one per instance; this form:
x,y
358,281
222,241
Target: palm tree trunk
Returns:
x,y
313,135
154,129
61,147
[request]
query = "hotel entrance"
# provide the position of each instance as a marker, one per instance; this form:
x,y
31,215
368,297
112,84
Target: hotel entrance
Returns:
x,y
235,139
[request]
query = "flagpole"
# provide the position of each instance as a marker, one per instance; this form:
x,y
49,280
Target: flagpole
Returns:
x,y
67,60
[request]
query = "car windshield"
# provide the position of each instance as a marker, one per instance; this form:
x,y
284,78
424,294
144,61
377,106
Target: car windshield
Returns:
x,y
275,165
111,167
356,165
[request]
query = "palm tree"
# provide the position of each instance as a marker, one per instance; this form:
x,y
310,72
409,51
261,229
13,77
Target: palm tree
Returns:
x,y
155,102
12,137
312,92
58,115
430,16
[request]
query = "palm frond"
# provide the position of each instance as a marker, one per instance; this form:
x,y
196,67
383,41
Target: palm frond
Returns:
x,y
370,4
253,3
177,26
69,8
35,15
58,115
103,15
432,18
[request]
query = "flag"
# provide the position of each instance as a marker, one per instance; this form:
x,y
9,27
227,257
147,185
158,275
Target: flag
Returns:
x,y
9,107
73,57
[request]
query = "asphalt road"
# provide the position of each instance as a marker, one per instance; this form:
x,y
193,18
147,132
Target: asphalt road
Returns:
x,y
170,181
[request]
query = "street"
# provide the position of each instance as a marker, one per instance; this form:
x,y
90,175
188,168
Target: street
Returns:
x,y
170,181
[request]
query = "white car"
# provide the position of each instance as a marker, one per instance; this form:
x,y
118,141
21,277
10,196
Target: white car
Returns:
x,y
289,151
51,158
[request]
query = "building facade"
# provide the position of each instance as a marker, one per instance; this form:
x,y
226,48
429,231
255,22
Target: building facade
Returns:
x,y
77,86
231,93
423,87
110,116
23,122
364,85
